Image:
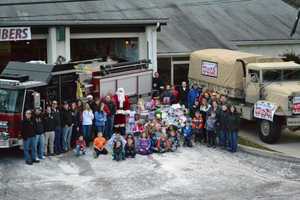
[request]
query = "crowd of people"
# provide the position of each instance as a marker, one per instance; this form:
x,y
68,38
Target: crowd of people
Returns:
x,y
174,116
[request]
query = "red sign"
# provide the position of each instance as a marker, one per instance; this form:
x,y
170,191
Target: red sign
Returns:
x,y
15,33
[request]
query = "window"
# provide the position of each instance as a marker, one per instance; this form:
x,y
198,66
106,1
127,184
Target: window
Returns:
x,y
291,75
11,101
254,75
272,75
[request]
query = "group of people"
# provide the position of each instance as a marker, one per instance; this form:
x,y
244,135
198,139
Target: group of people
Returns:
x,y
113,125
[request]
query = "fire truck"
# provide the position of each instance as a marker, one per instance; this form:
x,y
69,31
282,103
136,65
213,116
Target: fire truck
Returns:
x,y
26,86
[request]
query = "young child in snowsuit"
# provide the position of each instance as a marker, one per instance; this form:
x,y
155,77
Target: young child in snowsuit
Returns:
x,y
144,145
99,145
130,150
80,146
211,130
173,139
198,126
187,134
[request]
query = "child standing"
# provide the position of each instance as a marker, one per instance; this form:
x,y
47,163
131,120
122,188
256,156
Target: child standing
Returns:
x,y
99,145
187,134
211,129
198,127
80,146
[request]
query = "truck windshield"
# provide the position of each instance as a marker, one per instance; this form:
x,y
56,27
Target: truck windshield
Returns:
x,y
11,101
281,75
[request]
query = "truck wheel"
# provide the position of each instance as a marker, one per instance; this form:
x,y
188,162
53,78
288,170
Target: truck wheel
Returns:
x,y
269,132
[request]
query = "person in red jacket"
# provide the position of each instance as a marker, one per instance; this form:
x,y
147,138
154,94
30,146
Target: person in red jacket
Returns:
x,y
122,106
198,126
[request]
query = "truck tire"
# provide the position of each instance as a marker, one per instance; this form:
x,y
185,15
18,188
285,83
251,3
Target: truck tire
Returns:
x,y
269,132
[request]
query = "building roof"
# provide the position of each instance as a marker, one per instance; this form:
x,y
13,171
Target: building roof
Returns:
x,y
201,24
84,12
192,24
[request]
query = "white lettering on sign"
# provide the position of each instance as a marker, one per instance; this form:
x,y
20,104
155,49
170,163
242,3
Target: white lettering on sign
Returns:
x,y
15,33
209,69
264,110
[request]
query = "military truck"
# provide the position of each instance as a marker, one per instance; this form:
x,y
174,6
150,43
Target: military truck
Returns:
x,y
262,88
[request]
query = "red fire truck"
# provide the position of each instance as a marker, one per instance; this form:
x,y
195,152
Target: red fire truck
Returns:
x,y
26,86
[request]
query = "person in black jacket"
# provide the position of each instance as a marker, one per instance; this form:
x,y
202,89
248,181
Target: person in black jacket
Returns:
x,y
58,135
49,127
76,123
67,124
28,135
223,117
233,128
40,133
183,94
110,117
157,83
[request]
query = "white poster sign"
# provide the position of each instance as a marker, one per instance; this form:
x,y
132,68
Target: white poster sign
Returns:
x,y
209,69
15,33
265,110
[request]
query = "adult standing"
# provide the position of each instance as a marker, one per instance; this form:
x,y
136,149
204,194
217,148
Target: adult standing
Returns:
x,y
75,111
40,134
67,123
157,83
223,120
183,94
29,140
49,126
233,128
110,117
87,122
58,134
193,95
123,106
100,118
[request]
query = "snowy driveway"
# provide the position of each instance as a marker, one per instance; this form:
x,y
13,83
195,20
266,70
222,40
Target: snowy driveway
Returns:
x,y
197,173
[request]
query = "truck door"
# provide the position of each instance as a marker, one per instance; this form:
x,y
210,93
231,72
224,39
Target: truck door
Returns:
x,y
253,86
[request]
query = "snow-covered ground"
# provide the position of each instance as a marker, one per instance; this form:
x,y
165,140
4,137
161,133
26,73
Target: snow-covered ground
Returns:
x,y
196,173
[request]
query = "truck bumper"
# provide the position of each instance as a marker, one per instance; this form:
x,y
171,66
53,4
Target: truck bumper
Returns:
x,y
293,122
11,142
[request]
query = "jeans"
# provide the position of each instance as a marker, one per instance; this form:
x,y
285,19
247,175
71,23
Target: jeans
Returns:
x,y
223,138
109,127
49,142
211,136
79,151
40,145
57,141
100,129
29,144
87,135
233,141
67,132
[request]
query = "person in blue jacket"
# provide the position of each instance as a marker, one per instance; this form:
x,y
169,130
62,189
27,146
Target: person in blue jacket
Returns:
x,y
100,119
193,95
187,134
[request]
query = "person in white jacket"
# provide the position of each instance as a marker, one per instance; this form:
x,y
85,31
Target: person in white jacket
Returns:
x,y
87,122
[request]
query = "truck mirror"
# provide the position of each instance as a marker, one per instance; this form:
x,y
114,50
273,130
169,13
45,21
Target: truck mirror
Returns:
x,y
36,99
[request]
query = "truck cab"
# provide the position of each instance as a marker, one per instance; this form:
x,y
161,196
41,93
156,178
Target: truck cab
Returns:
x,y
276,83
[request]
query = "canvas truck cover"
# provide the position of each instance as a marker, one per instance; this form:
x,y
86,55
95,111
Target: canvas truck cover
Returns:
x,y
220,67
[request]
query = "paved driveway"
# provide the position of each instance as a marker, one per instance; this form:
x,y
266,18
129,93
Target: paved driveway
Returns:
x,y
197,173
288,144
